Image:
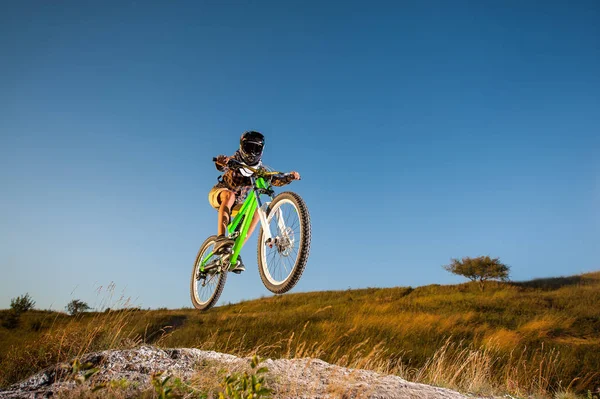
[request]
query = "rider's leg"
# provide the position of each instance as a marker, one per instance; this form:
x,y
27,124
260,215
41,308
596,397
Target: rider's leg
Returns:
x,y
255,221
226,199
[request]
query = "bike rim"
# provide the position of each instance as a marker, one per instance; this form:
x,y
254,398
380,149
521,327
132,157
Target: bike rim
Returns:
x,y
205,287
280,260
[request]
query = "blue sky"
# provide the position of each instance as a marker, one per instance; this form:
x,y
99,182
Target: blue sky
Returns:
x,y
423,131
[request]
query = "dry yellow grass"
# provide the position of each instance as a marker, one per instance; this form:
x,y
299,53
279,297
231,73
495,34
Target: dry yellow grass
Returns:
x,y
503,339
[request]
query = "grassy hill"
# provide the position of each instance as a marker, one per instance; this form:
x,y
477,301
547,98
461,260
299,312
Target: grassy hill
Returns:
x,y
539,337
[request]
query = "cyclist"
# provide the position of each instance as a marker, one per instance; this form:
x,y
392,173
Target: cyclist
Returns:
x,y
233,187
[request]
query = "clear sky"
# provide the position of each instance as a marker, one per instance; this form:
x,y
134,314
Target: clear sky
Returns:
x,y
423,131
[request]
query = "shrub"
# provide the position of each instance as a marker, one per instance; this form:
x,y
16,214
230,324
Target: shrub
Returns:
x,y
11,320
22,303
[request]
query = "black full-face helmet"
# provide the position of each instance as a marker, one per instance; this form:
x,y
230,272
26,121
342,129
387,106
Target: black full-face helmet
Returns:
x,y
251,147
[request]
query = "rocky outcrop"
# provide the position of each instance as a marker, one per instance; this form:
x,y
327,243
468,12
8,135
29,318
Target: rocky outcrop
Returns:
x,y
289,378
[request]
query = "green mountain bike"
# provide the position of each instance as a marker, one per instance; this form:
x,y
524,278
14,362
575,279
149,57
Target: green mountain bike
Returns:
x,y
283,242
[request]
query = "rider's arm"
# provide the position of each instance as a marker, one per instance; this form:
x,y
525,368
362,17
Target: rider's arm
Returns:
x,y
282,180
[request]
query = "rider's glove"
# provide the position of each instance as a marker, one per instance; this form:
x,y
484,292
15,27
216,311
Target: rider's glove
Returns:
x,y
284,178
220,162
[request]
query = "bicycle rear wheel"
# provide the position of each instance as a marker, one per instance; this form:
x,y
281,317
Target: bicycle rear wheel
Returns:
x,y
282,261
206,286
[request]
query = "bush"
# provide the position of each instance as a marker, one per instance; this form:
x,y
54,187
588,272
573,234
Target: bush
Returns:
x,y
11,320
22,303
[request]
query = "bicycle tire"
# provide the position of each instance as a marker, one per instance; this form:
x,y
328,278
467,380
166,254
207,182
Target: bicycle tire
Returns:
x,y
280,287
219,285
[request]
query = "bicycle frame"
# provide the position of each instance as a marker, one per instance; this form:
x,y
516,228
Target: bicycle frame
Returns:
x,y
251,204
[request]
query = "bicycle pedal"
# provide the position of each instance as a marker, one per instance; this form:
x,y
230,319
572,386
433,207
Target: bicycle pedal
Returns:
x,y
237,269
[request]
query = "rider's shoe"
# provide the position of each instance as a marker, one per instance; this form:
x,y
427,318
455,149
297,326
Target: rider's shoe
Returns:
x,y
239,267
223,244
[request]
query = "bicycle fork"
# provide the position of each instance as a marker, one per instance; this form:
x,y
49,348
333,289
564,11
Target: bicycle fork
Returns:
x,y
262,213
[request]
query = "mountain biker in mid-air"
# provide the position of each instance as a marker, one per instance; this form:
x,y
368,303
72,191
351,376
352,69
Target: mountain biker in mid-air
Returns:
x,y
233,186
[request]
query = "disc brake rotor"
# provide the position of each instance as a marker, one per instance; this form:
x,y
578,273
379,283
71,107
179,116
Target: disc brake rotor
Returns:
x,y
285,244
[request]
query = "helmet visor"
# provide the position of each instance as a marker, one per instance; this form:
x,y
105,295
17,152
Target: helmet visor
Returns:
x,y
252,148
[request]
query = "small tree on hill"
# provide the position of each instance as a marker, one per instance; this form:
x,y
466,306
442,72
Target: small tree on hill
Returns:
x,y
479,269
76,307
22,303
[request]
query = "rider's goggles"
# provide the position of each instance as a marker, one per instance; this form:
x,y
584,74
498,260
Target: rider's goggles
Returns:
x,y
253,148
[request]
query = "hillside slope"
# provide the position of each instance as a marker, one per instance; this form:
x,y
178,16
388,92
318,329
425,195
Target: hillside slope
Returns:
x,y
533,337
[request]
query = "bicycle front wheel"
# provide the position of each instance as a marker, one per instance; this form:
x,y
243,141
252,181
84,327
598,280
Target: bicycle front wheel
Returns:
x,y
282,260
206,286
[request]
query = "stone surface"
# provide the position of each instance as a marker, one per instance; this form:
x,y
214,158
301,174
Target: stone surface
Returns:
x,y
290,378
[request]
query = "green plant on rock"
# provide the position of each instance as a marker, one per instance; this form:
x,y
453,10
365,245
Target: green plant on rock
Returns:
x,y
81,372
121,383
167,388
246,386
164,389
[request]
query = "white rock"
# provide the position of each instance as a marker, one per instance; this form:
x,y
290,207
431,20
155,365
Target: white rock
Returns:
x,y
294,378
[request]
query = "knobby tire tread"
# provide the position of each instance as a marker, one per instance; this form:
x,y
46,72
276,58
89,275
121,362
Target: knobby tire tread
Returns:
x,y
303,252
